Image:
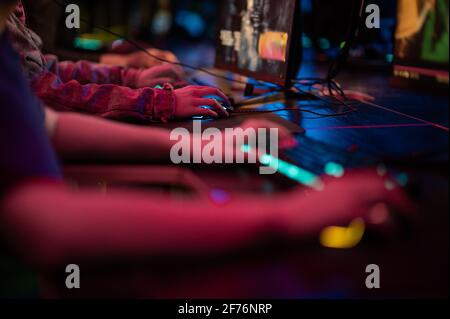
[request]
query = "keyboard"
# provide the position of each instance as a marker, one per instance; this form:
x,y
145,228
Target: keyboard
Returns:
x,y
313,156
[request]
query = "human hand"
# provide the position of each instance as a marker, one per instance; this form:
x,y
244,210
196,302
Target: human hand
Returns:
x,y
341,201
248,132
285,138
158,75
189,101
142,60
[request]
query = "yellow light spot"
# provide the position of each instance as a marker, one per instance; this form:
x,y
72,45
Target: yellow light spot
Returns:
x,y
343,237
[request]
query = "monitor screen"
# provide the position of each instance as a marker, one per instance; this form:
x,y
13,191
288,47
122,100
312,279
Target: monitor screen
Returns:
x,y
260,39
422,42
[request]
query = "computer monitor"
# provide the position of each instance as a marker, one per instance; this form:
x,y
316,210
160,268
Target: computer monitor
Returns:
x,y
260,39
422,44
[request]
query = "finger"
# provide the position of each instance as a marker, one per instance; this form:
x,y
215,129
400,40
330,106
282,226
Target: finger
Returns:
x,y
205,91
148,64
212,103
204,112
154,82
219,108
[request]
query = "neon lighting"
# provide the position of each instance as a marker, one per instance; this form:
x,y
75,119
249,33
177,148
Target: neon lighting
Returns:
x,y
389,58
422,71
324,44
334,169
273,46
88,44
246,148
306,42
292,171
343,237
289,170
402,179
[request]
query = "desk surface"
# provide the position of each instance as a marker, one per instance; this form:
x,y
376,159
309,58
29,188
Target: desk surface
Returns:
x,y
406,128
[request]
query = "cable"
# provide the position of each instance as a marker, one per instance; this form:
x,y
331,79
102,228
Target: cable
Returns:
x,y
141,48
356,17
319,115
329,81
333,71
350,108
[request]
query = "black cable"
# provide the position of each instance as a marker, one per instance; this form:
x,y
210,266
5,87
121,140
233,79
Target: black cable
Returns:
x,y
333,71
319,115
356,18
329,81
141,48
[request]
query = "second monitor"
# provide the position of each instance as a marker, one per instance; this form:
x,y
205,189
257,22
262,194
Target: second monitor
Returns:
x,y
260,39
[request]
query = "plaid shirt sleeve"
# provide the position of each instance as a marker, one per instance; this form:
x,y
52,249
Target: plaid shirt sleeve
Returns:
x,y
106,100
87,72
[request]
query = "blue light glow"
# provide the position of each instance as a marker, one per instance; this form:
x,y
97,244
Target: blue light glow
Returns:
x,y
402,179
334,169
192,22
88,44
220,196
324,44
292,171
390,58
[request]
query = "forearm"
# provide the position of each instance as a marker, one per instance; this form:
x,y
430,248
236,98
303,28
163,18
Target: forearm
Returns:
x,y
83,137
107,101
113,59
50,226
86,72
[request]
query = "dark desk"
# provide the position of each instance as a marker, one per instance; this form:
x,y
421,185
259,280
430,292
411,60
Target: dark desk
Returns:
x,y
406,130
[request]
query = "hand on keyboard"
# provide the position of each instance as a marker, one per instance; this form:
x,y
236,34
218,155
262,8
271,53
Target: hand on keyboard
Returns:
x,y
191,101
342,200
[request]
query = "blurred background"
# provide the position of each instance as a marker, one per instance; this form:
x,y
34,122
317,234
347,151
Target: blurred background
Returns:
x,y
180,24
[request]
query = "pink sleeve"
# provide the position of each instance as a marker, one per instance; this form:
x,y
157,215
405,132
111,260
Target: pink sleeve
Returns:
x,y
106,100
48,225
86,72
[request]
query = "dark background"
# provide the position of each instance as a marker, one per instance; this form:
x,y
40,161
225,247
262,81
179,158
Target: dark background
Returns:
x,y
177,24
